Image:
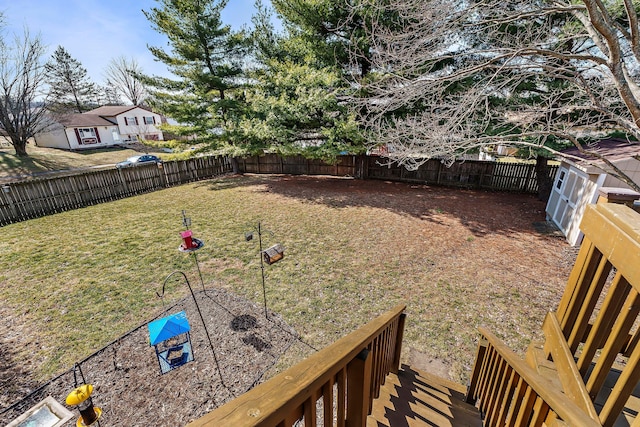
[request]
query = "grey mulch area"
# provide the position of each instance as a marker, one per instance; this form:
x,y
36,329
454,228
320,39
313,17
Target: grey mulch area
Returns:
x,y
547,228
130,389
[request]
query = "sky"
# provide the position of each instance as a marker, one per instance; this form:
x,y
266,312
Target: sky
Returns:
x,y
95,31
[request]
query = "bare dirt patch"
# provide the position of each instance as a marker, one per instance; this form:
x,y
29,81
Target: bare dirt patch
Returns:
x,y
130,389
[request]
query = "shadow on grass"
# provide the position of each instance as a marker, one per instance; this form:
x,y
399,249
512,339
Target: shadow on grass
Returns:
x,y
14,372
40,161
12,166
482,212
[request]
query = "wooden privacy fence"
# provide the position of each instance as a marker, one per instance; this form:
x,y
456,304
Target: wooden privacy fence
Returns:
x,y
24,200
516,177
337,383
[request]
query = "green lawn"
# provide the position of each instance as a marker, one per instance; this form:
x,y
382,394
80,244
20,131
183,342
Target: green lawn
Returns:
x,y
72,282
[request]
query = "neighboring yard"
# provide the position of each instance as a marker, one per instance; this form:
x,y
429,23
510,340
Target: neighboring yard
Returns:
x,y
72,282
43,160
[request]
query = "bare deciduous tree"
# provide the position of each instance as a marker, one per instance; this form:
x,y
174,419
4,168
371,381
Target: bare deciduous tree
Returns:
x,y
22,108
462,75
120,76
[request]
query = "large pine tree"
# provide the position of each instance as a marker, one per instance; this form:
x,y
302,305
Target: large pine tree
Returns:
x,y
205,56
294,101
71,89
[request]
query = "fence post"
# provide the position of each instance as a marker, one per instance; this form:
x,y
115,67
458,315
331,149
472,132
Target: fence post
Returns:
x,y
358,389
530,169
125,183
6,189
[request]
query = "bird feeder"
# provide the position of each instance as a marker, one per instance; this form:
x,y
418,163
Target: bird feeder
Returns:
x,y
81,398
170,337
273,254
189,243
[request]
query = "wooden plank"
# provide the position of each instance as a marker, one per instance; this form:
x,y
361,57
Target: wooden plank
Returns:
x,y
577,287
488,378
539,413
517,400
475,374
501,396
287,390
622,390
528,401
585,252
615,341
564,407
398,342
618,291
589,303
327,403
309,409
358,387
615,230
496,390
570,378
341,412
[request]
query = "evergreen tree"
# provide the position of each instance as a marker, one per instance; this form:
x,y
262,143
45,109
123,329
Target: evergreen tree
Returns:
x,y
206,56
71,90
293,103
335,30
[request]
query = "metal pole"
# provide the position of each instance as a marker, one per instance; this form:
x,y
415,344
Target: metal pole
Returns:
x,y
264,289
201,318
195,257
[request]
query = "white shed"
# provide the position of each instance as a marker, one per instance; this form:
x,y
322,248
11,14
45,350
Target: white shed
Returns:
x,y
577,184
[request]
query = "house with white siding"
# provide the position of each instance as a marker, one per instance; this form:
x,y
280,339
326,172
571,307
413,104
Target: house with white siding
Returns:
x,y
102,127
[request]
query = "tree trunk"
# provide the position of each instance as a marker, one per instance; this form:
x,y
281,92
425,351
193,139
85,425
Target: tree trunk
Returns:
x,y
19,145
543,179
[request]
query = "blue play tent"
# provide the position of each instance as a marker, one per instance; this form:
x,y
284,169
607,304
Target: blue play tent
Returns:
x,y
170,337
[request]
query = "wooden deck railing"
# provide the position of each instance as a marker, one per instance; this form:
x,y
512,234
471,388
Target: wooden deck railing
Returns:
x,y
509,392
601,303
594,331
334,386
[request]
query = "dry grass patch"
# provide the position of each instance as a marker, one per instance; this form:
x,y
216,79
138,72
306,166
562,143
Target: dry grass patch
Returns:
x,y
459,259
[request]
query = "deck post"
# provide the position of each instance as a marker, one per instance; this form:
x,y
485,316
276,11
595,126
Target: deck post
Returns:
x,y
475,375
396,356
358,389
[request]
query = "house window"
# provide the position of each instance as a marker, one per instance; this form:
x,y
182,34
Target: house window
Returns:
x,y
149,120
131,121
87,133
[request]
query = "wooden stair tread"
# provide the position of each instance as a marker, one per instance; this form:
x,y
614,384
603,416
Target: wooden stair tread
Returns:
x,y
415,398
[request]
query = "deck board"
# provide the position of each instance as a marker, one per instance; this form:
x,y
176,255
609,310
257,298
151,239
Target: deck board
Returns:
x,y
415,398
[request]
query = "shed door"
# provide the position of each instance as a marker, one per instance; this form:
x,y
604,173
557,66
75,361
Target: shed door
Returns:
x,y
567,191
